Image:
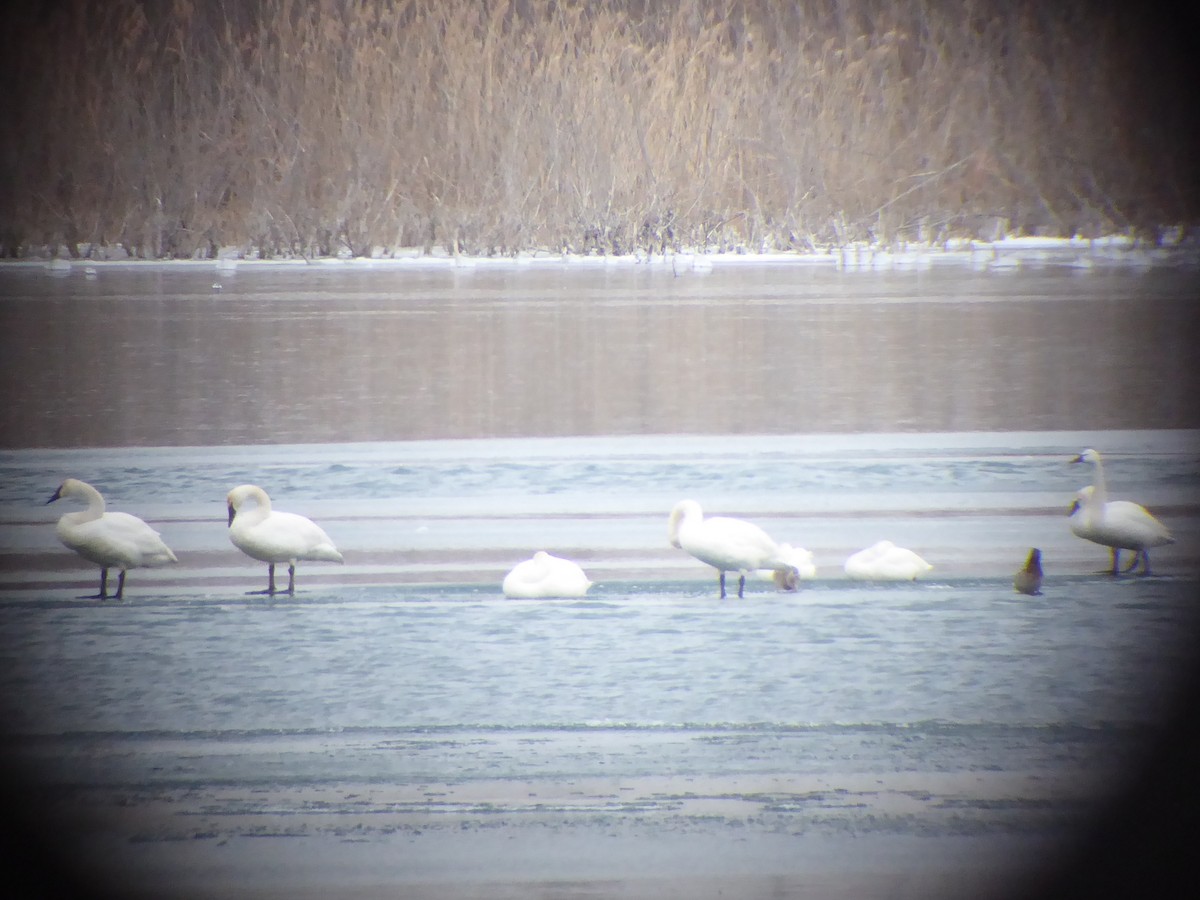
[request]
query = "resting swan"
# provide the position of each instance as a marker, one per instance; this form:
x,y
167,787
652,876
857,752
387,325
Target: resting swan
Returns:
x,y
545,576
108,538
275,537
729,545
885,562
1116,524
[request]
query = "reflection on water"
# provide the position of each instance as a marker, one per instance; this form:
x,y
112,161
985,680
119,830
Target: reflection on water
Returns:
x,y
158,357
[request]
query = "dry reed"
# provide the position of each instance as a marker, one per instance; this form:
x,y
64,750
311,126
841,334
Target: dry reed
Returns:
x,y
314,128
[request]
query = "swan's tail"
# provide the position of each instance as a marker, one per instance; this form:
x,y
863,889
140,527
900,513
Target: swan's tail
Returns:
x,y
326,552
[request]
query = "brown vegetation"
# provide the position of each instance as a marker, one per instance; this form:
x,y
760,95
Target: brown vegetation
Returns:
x,y
298,127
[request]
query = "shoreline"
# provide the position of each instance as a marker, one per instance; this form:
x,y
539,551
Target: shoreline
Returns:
x,y
1010,252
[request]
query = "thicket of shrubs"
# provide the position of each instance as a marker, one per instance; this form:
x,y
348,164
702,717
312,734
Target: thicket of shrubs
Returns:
x,y
299,127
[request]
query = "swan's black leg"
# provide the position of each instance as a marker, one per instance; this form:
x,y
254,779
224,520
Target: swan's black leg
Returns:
x,y
721,581
103,595
1116,560
270,581
741,587
291,580
121,585
1145,557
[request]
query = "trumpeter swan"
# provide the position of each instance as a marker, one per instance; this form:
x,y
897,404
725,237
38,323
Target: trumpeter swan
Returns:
x,y
729,545
885,561
1116,524
1029,579
109,539
275,537
545,576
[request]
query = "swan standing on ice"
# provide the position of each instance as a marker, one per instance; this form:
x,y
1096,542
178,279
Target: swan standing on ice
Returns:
x,y
108,538
275,537
1116,524
1029,579
729,545
885,562
545,576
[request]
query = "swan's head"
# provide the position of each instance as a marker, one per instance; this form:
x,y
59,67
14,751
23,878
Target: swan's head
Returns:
x,y
1087,456
240,494
1035,558
786,579
72,487
685,510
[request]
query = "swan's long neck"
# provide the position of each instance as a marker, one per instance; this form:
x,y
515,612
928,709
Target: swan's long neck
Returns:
x,y
1100,493
95,504
681,516
259,512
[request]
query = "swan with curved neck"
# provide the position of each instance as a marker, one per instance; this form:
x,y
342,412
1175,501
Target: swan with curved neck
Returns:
x,y
1116,524
272,537
803,568
726,544
545,576
109,539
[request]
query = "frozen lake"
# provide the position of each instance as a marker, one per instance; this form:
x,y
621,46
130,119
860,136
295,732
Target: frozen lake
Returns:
x,y
399,726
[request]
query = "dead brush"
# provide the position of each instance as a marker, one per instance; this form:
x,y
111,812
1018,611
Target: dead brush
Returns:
x,y
293,127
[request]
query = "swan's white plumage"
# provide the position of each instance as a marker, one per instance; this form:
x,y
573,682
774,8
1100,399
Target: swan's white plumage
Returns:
x,y
726,544
1116,524
272,537
545,576
108,539
885,561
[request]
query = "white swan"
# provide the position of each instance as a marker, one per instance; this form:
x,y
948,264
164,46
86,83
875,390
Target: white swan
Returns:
x,y
885,562
1116,524
803,568
109,539
729,545
545,576
275,537
1029,579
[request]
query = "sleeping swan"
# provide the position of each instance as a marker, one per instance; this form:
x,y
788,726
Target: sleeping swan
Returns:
x,y
885,562
729,545
108,538
545,576
1116,524
275,537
